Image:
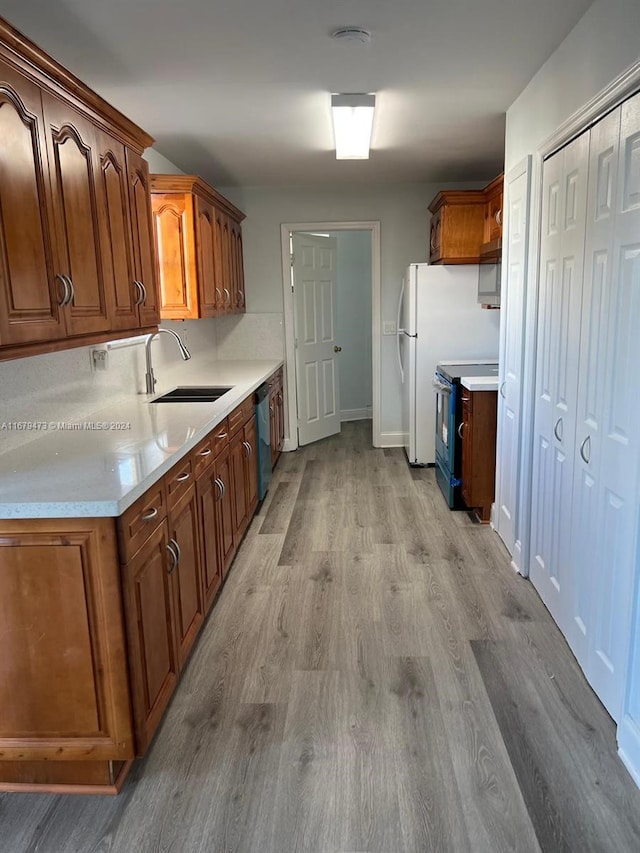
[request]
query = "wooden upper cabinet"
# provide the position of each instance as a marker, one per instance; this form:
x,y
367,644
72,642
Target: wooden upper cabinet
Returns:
x,y
199,254
73,193
142,235
29,292
175,256
457,226
71,142
466,225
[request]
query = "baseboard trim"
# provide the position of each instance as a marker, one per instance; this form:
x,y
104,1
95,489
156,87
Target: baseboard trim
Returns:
x,y
391,439
356,414
628,737
516,561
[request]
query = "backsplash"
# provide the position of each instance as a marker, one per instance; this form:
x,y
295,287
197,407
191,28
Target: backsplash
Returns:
x,y
63,386
250,336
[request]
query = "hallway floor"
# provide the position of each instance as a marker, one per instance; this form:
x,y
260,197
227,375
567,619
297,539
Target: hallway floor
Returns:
x,y
374,677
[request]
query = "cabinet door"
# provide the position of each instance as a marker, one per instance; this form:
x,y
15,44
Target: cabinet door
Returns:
x,y
175,247
142,237
273,425
73,162
224,509
153,657
465,431
238,460
223,257
280,411
115,233
240,301
209,289
251,466
435,239
63,670
29,292
187,590
208,494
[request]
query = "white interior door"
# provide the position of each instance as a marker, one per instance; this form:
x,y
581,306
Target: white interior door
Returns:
x,y
558,350
317,385
517,188
608,435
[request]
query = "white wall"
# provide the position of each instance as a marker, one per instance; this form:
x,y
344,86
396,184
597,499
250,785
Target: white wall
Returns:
x,y
402,210
353,320
601,46
159,164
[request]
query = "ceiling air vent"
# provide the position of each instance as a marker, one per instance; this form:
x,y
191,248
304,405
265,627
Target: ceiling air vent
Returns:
x,y
352,34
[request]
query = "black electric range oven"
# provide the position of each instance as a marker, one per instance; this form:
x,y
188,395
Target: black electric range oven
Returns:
x,y
446,386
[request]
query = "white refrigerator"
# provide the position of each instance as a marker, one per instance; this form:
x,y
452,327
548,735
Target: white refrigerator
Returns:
x,y
439,319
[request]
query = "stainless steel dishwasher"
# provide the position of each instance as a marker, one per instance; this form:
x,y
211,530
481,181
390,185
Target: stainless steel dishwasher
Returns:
x,y
263,440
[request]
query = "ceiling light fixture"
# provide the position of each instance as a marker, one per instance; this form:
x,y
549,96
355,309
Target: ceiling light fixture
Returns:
x,y
352,125
357,34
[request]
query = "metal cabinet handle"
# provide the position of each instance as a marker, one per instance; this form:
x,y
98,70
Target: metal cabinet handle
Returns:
x,y
147,516
241,297
222,435
140,298
206,452
144,293
247,447
558,429
583,448
65,290
460,429
218,295
432,241
223,487
250,450
502,391
499,217
183,477
228,299
174,542
174,558
220,488
72,295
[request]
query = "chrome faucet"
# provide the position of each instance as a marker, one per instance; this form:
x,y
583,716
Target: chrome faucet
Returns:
x,y
150,379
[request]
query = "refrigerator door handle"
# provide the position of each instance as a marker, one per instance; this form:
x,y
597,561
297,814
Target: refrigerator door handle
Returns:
x,y
400,332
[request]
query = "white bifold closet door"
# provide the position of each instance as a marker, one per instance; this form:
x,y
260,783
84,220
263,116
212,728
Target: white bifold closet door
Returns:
x,y
565,179
587,413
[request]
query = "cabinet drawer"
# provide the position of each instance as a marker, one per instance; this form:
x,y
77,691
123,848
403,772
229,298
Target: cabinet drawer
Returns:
x,y
138,522
178,480
203,454
241,414
220,436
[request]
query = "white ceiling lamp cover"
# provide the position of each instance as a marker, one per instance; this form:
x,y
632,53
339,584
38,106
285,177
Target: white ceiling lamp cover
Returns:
x,y
352,34
352,125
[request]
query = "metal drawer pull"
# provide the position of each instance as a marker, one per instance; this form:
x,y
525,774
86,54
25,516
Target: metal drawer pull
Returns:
x,y
583,447
498,217
65,293
183,477
502,391
206,452
174,542
558,429
174,558
460,429
222,435
147,516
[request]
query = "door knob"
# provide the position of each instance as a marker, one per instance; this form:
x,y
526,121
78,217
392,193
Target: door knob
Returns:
x,y
337,349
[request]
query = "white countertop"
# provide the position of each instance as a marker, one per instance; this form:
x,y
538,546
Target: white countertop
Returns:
x,y
100,472
480,383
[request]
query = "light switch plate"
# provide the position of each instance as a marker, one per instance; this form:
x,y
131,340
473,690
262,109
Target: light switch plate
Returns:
x,y
388,327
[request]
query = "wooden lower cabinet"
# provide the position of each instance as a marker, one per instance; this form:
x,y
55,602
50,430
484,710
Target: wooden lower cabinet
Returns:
x,y
276,415
99,615
153,657
478,430
64,689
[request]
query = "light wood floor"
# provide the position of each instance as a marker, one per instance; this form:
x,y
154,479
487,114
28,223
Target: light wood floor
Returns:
x,y
374,677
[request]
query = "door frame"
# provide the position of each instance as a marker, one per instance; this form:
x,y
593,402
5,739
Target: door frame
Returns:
x,y
286,229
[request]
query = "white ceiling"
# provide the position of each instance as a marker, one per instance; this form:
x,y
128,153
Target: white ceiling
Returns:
x,y
238,90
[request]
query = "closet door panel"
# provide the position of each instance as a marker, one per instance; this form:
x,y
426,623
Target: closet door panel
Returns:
x,y
620,434
561,268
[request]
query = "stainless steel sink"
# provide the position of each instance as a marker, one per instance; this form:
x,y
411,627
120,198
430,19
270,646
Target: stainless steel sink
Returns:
x,y
193,394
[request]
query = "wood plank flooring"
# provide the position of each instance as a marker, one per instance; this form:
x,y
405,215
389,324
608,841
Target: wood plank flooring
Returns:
x,y
374,677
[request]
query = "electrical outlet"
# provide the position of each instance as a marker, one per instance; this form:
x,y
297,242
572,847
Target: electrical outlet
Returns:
x,y
99,359
388,327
